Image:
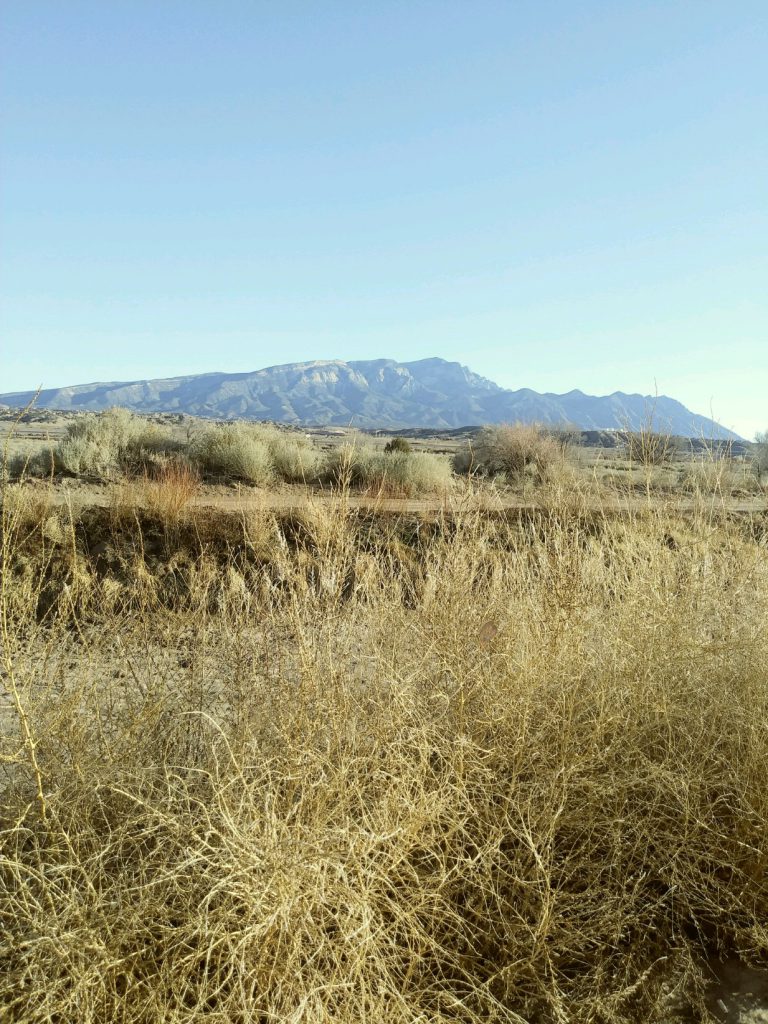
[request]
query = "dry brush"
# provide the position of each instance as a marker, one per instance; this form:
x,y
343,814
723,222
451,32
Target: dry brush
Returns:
x,y
334,765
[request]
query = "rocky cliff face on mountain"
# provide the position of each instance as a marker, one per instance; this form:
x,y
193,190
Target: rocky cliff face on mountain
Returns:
x,y
373,393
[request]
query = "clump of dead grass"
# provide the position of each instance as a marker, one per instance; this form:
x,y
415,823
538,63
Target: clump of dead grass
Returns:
x,y
515,452
649,448
167,493
709,475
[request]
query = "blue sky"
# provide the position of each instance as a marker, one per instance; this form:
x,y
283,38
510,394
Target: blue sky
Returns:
x,y
558,194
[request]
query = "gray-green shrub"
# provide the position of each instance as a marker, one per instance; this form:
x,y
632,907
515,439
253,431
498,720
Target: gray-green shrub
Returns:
x,y
406,473
233,450
112,441
294,458
37,464
417,472
256,452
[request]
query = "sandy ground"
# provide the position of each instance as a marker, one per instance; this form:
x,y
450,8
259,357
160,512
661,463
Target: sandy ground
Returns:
x,y
739,995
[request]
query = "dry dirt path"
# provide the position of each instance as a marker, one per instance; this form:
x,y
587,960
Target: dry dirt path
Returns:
x,y
285,498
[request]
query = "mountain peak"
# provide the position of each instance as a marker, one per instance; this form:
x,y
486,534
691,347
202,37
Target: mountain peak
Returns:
x,y
374,393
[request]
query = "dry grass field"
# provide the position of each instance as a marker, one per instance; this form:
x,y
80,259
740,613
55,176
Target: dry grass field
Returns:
x,y
501,756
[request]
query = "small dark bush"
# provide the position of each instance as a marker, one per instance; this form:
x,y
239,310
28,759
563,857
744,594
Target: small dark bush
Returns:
x,y
397,444
650,448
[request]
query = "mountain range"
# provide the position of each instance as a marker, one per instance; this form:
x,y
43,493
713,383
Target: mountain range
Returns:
x,y
378,393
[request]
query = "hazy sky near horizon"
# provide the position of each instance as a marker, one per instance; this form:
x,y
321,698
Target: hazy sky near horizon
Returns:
x,y
559,195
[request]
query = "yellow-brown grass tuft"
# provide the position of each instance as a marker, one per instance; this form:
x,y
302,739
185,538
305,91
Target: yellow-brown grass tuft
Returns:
x,y
168,492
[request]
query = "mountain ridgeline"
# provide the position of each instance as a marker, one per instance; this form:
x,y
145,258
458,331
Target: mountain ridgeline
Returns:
x,y
379,393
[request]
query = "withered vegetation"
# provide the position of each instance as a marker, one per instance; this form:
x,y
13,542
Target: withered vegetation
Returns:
x,y
336,765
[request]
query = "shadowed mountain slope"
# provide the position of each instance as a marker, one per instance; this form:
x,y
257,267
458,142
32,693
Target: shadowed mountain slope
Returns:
x,y
373,393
